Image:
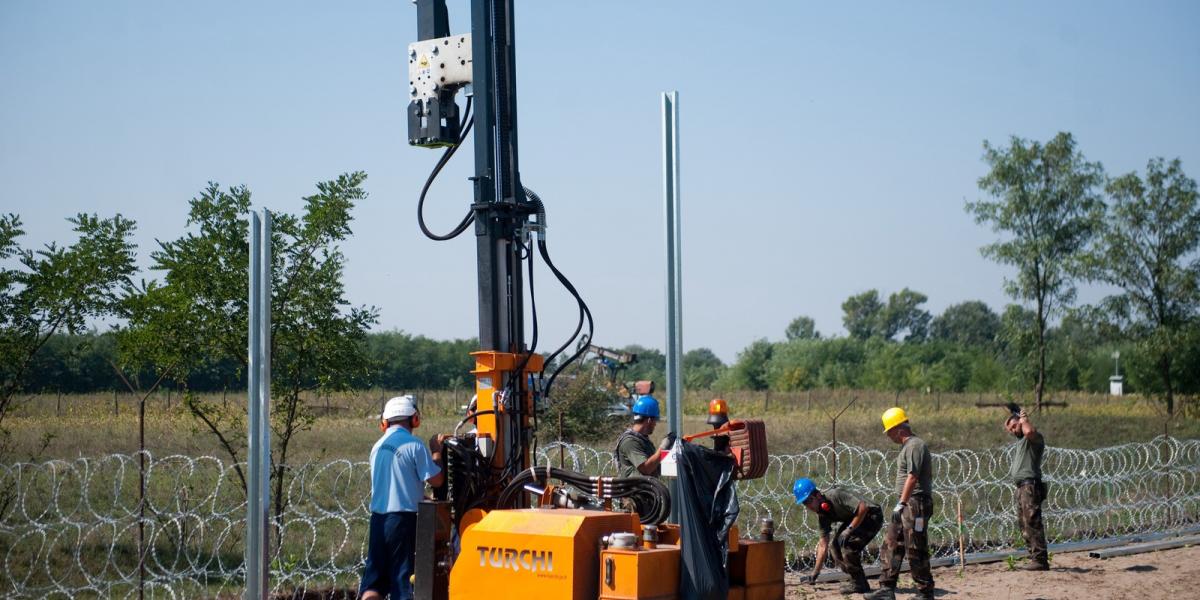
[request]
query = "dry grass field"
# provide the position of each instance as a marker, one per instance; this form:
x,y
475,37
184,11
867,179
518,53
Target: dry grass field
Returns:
x,y
46,427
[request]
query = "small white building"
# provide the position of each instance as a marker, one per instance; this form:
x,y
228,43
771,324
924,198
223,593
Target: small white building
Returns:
x,y
1116,385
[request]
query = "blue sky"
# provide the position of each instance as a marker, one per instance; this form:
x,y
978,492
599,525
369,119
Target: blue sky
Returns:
x,y
827,148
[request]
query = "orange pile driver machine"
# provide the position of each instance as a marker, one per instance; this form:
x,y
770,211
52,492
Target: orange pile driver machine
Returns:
x,y
501,527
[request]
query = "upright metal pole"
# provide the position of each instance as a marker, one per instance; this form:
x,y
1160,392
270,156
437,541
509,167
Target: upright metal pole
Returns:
x,y
670,113
255,538
258,405
264,385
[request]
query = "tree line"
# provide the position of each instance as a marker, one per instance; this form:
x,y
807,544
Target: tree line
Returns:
x,y
1060,221
82,363
967,348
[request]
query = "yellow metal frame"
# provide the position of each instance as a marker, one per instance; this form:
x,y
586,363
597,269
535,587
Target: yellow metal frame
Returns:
x,y
492,372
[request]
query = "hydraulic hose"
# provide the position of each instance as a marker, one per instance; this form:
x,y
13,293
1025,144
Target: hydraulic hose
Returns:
x,y
470,218
585,314
650,496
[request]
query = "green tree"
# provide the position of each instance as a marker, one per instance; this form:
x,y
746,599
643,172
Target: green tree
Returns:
x,y
56,289
1148,249
861,314
802,328
197,314
892,367
970,323
807,364
904,315
581,411
1045,200
1019,345
866,316
701,368
401,361
750,371
1080,354
74,364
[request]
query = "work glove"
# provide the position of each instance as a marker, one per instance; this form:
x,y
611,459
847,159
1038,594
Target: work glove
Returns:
x,y
899,508
667,441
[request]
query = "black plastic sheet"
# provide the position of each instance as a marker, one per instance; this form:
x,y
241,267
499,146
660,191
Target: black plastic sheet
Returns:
x,y
707,506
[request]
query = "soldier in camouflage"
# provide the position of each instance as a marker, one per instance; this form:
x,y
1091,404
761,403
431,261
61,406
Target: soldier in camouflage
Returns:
x,y
907,533
635,454
1026,473
860,520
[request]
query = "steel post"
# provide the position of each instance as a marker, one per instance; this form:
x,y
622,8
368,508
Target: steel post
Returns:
x,y
258,456
674,346
674,350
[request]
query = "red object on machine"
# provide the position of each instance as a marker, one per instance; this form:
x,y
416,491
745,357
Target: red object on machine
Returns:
x,y
747,443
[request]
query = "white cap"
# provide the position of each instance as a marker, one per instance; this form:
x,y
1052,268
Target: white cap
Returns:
x,y
399,407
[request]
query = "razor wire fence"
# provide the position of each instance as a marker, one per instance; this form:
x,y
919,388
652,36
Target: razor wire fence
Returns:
x,y
70,528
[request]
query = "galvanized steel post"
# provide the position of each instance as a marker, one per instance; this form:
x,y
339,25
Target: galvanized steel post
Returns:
x,y
674,351
258,405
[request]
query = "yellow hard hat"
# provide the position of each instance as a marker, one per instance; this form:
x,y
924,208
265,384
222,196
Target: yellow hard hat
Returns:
x,y
893,417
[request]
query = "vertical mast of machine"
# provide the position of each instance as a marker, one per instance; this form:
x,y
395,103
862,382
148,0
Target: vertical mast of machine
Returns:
x,y
500,205
501,215
501,212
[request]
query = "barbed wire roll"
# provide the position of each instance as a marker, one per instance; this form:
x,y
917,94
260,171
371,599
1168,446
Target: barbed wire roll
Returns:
x,y
69,528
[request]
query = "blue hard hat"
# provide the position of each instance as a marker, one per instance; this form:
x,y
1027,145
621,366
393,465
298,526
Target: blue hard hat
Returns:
x,y
646,406
802,489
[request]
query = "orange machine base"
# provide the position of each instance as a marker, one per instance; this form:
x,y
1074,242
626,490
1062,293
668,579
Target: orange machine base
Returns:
x,y
639,573
756,570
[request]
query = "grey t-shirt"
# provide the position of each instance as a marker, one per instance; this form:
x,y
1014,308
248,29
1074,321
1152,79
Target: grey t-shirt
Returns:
x,y
1027,458
843,505
914,458
633,449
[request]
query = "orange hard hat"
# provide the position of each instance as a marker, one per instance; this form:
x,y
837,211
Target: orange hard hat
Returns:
x,y
718,412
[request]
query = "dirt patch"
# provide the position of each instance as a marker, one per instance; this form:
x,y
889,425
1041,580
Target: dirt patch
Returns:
x,y
1168,574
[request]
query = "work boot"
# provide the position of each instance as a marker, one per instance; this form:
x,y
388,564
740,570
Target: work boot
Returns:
x,y
851,587
883,593
1034,565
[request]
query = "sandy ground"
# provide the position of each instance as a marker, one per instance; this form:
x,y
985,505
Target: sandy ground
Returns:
x,y
1171,574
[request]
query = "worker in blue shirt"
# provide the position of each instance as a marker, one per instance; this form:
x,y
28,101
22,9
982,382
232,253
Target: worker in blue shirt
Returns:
x,y
400,467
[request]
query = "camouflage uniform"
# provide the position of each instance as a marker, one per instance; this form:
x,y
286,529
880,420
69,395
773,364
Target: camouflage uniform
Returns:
x,y
632,450
1031,493
908,537
848,555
